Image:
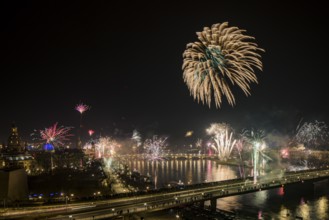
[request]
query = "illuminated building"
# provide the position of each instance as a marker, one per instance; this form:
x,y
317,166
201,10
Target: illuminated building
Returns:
x,y
14,142
15,155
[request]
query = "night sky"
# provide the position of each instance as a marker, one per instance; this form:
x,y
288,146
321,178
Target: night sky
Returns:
x,y
125,61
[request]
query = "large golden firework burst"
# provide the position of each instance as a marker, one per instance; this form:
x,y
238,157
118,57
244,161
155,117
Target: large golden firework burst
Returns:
x,y
224,57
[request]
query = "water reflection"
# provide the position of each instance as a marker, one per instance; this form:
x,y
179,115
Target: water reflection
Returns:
x,y
273,204
303,210
321,206
284,213
188,171
284,203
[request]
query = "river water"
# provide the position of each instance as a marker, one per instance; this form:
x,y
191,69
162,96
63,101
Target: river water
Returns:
x,y
306,201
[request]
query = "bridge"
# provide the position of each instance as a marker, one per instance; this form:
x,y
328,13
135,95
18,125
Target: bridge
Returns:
x,y
156,200
179,156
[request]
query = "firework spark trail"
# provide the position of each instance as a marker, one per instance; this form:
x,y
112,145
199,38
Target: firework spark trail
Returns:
x,y
224,141
253,136
56,135
239,145
312,134
81,108
155,147
106,147
223,57
137,138
256,139
88,145
198,143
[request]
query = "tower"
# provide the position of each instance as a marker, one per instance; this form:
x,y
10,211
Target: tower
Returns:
x,y
14,142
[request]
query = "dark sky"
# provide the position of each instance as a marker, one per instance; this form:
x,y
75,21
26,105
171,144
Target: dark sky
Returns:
x,y
125,62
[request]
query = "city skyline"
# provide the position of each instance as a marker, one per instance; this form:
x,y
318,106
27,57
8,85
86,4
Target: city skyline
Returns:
x,y
127,65
184,110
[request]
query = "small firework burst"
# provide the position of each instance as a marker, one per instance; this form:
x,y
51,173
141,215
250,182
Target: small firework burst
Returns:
x,y
198,143
106,147
223,139
155,147
137,138
82,108
56,135
91,132
312,134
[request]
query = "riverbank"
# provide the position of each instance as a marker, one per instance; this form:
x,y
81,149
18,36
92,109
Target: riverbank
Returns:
x,y
233,163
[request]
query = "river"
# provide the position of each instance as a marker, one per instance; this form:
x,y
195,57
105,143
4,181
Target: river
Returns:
x,y
285,203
